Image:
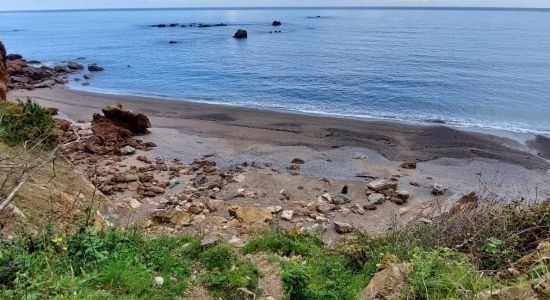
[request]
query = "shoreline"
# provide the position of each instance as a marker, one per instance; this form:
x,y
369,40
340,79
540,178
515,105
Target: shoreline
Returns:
x,y
395,140
522,135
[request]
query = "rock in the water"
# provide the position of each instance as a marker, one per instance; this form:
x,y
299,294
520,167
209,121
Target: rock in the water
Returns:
x,y
95,68
3,73
438,189
241,34
123,117
382,184
340,199
287,215
127,150
74,66
342,228
390,283
376,198
276,23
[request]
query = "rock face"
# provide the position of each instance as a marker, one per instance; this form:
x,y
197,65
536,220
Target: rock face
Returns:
x,y
241,34
125,118
3,73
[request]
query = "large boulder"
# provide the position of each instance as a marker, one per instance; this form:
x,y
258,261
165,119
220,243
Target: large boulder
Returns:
x,y
3,73
125,118
241,34
108,132
252,219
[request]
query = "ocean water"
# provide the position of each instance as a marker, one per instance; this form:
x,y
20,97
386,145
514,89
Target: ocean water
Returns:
x,y
487,69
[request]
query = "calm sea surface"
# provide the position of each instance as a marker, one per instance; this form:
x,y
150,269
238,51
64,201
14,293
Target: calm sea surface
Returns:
x,y
473,68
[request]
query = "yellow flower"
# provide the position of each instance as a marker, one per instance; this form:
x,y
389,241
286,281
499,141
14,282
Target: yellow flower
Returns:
x,y
57,240
65,248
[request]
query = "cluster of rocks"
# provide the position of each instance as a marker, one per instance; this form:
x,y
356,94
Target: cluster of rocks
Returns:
x,y
113,132
31,75
198,25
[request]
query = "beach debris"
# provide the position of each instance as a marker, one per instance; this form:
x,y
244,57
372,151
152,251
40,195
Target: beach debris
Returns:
x,y
438,189
174,184
241,34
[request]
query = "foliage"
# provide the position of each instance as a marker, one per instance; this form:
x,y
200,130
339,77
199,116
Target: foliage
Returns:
x,y
27,121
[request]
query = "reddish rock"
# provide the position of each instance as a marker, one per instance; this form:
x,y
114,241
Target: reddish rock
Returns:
x,y
409,164
123,117
3,73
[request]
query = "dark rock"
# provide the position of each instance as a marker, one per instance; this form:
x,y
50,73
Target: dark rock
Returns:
x,y
277,23
74,66
60,69
87,76
95,68
241,34
13,56
409,164
172,42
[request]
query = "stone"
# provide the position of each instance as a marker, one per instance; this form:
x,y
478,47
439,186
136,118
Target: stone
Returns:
x,y
356,208
236,242
402,194
340,199
210,240
324,208
239,178
390,283
285,195
376,198
146,177
180,218
409,164
287,215
128,150
95,68
241,34
194,209
252,219
125,118
276,23
274,209
74,66
200,180
214,205
298,161
359,156
370,207
438,189
134,203
512,293
382,184
342,228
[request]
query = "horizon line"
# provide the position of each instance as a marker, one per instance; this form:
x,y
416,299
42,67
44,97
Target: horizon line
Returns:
x,y
372,7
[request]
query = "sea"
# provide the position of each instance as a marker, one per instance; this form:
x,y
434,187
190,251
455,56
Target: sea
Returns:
x,y
464,67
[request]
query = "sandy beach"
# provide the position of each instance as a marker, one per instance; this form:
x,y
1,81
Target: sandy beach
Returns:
x,y
452,157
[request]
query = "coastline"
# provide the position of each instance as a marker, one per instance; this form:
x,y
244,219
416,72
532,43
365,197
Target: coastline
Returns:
x,y
396,140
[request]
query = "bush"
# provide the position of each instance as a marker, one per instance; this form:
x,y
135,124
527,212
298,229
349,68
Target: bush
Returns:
x,y
25,122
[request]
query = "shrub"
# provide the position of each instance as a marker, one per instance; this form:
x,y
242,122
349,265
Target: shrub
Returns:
x,y
22,122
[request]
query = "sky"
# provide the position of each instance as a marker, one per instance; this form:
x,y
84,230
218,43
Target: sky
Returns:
x,y
78,4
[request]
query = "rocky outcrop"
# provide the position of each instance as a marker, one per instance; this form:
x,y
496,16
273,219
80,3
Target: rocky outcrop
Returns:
x,y
30,76
121,116
3,73
241,34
